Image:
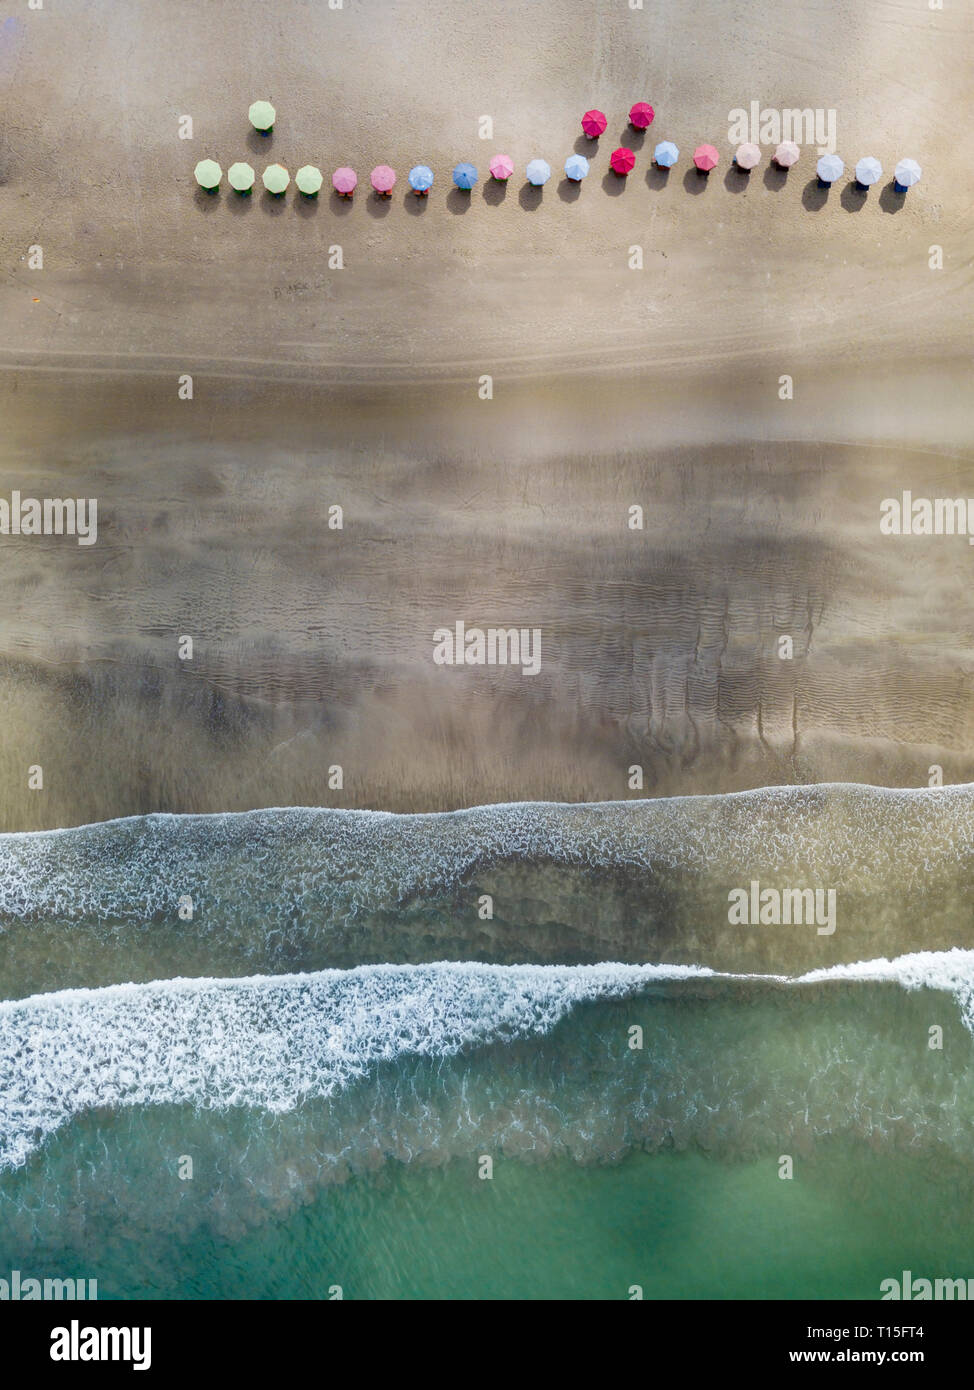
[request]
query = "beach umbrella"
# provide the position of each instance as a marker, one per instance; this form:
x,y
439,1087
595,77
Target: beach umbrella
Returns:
x,y
747,156
666,154
208,175
465,176
786,154
383,179
240,177
262,116
594,123
868,171
501,167
276,179
705,157
641,115
829,168
622,160
576,167
906,174
309,180
538,172
344,181
421,178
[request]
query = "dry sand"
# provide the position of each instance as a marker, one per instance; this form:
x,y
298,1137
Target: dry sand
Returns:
x,y
359,387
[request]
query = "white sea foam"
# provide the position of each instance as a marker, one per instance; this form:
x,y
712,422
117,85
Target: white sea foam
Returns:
x,y
272,1042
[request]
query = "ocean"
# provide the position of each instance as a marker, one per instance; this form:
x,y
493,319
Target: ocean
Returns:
x,y
574,1097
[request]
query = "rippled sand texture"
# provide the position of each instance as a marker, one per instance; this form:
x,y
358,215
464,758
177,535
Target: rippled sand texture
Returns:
x,y
359,387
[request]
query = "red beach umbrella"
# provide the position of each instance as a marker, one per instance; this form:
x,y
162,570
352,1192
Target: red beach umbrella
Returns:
x,y
705,157
594,123
641,115
622,160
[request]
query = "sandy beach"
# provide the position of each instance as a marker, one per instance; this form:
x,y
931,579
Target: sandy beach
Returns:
x,y
361,388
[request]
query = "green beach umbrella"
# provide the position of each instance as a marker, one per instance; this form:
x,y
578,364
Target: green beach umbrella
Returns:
x,y
240,177
208,174
262,116
309,180
276,179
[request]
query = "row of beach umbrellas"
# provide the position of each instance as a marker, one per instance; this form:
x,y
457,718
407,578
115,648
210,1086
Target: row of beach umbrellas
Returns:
x,y
309,179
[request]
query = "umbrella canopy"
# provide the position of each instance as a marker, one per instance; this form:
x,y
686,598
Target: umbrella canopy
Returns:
x,y
421,178
344,180
907,173
309,180
829,168
594,123
705,157
240,177
747,156
501,166
465,176
787,154
666,154
538,172
383,178
576,167
262,115
208,174
868,171
622,160
276,178
641,115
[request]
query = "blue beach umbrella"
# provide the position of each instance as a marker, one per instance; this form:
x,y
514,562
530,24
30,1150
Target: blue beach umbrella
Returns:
x,y
829,168
465,176
666,154
538,172
576,167
421,178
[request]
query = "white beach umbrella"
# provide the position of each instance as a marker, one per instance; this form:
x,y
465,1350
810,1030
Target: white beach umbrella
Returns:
x,y
262,116
829,168
868,171
240,176
208,174
309,180
276,178
907,173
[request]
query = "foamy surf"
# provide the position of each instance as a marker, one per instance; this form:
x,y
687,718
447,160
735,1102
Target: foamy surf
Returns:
x,y
272,1043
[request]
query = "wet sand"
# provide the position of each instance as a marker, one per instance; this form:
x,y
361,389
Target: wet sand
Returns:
x,y
359,387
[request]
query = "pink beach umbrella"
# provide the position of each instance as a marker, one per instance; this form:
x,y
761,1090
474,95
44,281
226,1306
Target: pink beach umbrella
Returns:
x,y
501,167
705,157
344,181
622,160
641,115
594,123
383,179
747,156
786,154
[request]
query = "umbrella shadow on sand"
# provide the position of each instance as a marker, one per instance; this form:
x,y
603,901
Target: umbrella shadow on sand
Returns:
x,y
207,202
376,205
305,206
583,145
495,191
257,143
458,200
775,177
814,196
889,199
736,179
853,197
273,203
343,206
529,195
240,203
694,181
657,176
413,205
633,137
569,189
613,184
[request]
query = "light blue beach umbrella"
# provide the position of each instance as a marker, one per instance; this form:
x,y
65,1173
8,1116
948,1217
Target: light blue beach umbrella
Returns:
x,y
906,174
538,172
829,168
666,154
421,178
465,176
576,167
